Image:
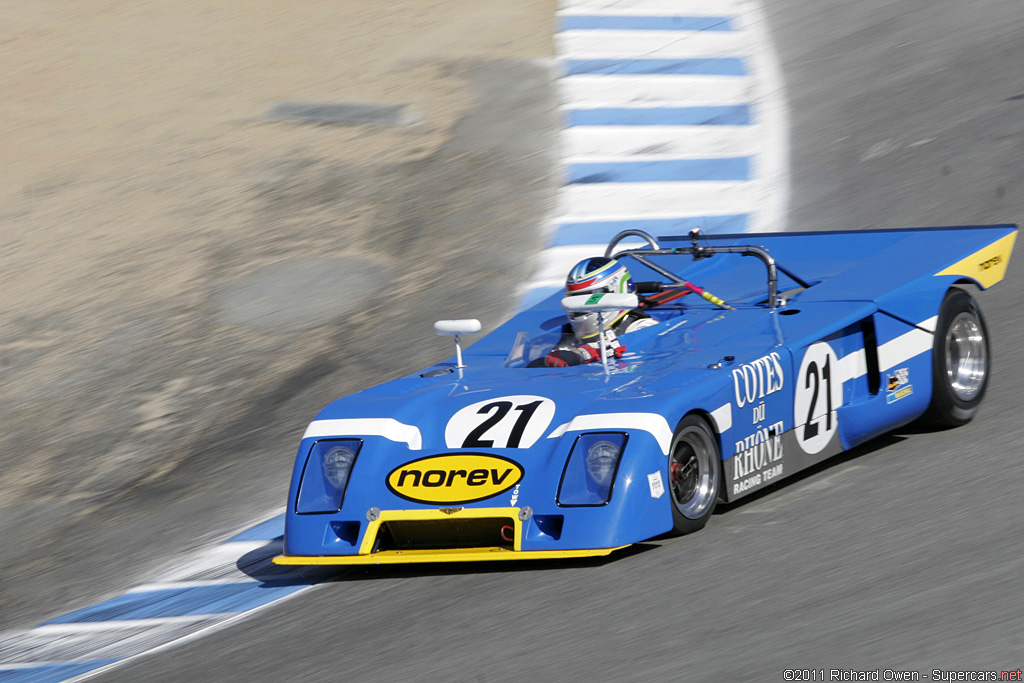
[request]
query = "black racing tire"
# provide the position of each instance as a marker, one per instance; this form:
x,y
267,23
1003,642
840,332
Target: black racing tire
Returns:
x,y
960,362
694,475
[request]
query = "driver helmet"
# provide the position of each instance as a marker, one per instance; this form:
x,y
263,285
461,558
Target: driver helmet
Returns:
x,y
592,275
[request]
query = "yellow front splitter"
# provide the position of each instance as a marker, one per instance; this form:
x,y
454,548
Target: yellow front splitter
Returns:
x,y
444,555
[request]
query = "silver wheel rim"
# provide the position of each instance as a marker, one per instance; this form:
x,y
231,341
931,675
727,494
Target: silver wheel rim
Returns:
x,y
966,360
691,472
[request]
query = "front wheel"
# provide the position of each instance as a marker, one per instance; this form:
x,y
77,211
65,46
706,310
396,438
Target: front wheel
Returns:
x,y
960,361
694,474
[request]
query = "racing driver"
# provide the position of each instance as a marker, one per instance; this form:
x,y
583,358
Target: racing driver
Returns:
x,y
581,338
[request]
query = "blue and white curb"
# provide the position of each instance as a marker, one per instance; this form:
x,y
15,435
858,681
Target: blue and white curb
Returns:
x,y
673,118
204,593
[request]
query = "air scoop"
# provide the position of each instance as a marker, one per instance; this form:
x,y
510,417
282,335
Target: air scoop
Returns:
x,y
456,328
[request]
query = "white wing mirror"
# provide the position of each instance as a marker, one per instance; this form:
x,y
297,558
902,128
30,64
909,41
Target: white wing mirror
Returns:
x,y
599,303
455,328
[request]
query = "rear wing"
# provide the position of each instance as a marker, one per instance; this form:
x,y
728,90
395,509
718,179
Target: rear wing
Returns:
x,y
835,265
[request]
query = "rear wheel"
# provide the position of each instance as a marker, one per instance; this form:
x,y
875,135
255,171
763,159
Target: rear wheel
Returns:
x,y
960,361
694,474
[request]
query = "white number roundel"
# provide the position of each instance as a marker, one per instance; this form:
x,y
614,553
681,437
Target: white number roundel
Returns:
x,y
819,391
501,422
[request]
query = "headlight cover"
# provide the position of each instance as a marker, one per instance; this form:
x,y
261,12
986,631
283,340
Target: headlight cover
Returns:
x,y
590,469
326,475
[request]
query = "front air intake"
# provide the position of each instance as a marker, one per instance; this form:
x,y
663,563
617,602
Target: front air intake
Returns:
x,y
437,534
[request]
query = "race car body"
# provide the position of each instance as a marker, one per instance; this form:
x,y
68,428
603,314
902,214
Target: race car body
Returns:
x,y
818,343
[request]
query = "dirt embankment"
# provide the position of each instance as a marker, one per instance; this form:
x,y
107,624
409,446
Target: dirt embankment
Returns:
x,y
185,282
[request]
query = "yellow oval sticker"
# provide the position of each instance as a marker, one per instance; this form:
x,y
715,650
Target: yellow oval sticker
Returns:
x,y
454,478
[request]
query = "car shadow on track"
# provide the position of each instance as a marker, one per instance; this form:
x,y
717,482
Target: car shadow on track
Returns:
x,y
491,567
258,564
876,444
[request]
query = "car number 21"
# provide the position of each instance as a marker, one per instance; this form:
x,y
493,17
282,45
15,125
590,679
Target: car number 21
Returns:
x,y
500,422
819,391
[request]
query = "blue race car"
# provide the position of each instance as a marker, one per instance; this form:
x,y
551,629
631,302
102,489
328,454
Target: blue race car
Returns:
x,y
811,344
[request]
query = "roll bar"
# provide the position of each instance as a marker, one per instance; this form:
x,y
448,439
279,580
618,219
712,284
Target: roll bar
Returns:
x,y
698,252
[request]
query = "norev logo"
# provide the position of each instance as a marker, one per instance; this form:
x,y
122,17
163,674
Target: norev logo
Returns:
x,y
994,261
454,478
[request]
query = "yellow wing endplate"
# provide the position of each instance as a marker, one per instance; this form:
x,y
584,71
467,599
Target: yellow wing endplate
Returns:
x,y
988,265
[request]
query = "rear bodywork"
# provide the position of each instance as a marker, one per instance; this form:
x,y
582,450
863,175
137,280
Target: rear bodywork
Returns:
x,y
473,463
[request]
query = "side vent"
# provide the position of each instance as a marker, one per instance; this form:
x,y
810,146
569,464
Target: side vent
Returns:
x,y
867,327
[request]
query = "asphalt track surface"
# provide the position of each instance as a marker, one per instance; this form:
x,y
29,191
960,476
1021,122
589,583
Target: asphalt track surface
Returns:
x,y
904,554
